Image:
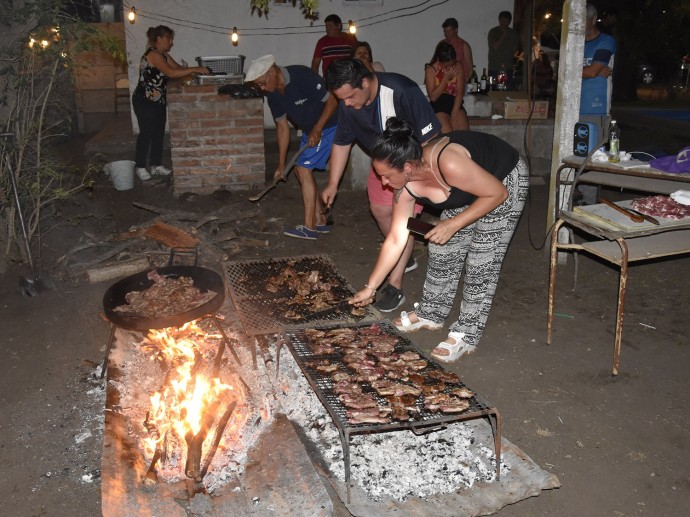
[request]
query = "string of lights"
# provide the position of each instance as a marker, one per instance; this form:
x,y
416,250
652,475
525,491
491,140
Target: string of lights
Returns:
x,y
235,32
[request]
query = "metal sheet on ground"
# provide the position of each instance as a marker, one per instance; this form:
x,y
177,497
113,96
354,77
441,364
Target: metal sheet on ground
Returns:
x,y
525,479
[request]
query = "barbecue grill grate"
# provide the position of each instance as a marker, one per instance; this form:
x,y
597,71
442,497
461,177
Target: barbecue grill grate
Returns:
x,y
265,312
425,420
298,343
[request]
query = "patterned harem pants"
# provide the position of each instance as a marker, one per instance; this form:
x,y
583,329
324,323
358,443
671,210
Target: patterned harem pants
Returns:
x,y
478,248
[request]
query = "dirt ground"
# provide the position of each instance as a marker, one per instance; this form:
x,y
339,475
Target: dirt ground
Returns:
x,y
618,444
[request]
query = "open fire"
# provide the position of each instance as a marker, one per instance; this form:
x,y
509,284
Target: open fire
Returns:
x,y
190,411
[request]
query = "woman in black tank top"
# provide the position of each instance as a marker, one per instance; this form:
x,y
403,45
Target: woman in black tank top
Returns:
x,y
480,184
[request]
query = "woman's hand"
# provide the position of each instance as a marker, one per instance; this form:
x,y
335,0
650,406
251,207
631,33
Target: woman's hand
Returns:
x,y
450,72
443,231
363,297
456,120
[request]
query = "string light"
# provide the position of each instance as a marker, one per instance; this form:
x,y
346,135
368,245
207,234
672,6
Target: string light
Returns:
x,y
383,17
235,37
132,15
32,42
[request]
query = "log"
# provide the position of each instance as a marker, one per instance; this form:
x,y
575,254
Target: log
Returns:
x,y
112,251
171,236
178,214
220,429
122,269
194,442
255,243
151,476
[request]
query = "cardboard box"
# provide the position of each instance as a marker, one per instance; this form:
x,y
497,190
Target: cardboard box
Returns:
x,y
520,109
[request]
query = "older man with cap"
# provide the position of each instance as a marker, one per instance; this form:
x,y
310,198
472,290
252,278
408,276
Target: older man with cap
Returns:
x,y
297,93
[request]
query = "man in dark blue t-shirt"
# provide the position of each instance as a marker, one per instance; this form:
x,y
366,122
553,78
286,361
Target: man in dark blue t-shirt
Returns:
x,y
367,101
300,95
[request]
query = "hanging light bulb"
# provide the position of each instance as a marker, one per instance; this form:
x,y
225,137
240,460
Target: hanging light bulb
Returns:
x,y
351,26
32,42
132,15
235,37
45,43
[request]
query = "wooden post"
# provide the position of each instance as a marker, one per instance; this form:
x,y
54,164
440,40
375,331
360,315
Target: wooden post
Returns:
x,y
568,98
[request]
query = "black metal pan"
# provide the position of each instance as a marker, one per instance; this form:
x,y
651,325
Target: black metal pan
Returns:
x,y
204,280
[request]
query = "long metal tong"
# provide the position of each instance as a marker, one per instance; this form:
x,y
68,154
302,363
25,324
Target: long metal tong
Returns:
x,y
283,177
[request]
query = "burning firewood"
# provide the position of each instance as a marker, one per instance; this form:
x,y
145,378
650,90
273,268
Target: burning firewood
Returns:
x,y
220,428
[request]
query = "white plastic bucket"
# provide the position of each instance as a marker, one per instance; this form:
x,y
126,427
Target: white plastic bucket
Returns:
x,y
121,174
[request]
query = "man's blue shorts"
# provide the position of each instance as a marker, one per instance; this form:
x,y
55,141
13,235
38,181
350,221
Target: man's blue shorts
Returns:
x,y
317,157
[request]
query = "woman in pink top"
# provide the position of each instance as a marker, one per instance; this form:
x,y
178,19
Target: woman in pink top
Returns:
x,y
444,78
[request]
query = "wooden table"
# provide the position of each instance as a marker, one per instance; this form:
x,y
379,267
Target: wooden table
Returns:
x,y
643,178
619,247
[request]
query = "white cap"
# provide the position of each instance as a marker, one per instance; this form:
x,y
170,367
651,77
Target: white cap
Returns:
x,y
259,67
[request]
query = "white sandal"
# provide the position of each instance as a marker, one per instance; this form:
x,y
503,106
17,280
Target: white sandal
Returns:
x,y
403,324
455,350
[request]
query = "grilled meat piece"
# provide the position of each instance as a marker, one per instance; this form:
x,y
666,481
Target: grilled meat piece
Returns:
x,y
410,356
443,375
341,376
313,334
347,387
409,402
455,406
416,379
463,393
166,297
400,413
388,358
368,419
328,368
358,311
434,402
418,364
432,389
358,401
372,330
318,349
322,365
386,387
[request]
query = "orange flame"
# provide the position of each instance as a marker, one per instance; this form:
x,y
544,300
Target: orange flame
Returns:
x,y
180,407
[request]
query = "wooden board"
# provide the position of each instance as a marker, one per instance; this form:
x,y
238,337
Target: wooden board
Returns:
x,y
171,236
601,213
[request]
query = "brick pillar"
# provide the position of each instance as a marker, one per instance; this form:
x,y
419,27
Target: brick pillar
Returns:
x,y
217,142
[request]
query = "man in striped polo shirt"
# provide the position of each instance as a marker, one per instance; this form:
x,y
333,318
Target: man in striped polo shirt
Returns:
x,y
335,45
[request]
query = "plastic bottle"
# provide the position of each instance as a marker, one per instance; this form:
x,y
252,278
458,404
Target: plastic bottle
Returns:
x,y
483,83
614,142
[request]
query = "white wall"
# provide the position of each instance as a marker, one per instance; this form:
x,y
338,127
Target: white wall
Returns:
x,y
402,44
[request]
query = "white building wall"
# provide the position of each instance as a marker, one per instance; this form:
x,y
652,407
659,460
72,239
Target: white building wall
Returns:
x,y
402,33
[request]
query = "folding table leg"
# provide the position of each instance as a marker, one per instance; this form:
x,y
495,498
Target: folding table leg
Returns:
x,y
552,279
622,284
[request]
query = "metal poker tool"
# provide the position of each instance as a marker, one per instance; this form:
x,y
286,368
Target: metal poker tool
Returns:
x,y
284,176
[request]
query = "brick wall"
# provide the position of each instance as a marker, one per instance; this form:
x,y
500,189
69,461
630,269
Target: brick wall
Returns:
x,y
217,142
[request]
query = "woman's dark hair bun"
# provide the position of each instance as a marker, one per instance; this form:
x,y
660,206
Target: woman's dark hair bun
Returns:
x,y
399,127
